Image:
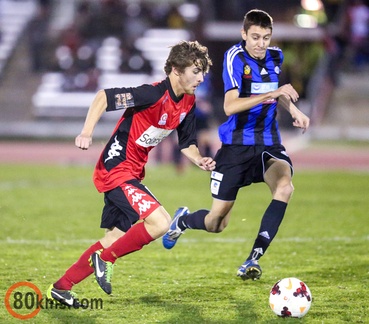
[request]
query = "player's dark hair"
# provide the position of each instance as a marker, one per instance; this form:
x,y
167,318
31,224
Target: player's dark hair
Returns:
x,y
186,53
259,18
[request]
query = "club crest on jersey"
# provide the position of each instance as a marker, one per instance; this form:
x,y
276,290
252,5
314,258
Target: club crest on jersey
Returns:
x,y
277,70
124,100
247,72
163,119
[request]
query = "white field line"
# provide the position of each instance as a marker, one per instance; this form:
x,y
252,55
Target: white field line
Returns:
x,y
191,240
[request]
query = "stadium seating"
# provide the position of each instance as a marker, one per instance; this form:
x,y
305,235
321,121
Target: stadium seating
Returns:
x,y
14,16
52,101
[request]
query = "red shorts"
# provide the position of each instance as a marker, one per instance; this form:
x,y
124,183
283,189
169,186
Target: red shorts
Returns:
x,y
126,204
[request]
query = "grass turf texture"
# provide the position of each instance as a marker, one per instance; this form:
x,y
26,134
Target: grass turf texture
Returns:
x,y
50,215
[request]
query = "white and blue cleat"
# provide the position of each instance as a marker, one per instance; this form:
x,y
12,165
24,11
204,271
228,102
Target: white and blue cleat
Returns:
x,y
174,232
249,270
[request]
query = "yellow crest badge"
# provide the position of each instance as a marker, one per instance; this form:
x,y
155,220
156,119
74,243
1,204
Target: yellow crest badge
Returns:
x,y
246,69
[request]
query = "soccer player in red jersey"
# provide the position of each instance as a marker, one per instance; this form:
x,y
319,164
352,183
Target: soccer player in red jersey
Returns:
x,y
150,113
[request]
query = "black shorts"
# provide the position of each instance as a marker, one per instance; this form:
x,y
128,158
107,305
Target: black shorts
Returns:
x,y
126,204
239,166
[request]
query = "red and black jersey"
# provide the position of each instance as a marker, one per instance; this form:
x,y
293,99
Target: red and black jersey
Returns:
x,y
151,113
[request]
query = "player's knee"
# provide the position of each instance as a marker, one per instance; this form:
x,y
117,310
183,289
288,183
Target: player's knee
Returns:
x,y
157,224
285,191
162,227
111,235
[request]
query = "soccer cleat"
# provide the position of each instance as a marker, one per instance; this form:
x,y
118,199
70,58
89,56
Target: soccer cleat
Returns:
x,y
174,232
103,271
65,297
249,270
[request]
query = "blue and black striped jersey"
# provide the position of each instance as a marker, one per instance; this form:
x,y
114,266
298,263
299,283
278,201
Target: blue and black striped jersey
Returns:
x,y
257,126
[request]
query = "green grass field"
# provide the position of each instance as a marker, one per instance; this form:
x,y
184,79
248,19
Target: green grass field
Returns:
x,y
50,215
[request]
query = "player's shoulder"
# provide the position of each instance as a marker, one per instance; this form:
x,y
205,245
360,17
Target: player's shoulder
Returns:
x,y
232,52
154,89
274,48
276,53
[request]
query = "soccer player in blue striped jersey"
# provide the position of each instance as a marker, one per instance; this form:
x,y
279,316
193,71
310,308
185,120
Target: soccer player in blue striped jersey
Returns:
x,y
251,148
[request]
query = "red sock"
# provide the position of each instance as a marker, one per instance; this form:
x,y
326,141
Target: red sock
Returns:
x,y
79,270
134,240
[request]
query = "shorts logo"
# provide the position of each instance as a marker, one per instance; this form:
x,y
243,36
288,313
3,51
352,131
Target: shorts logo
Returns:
x,y
214,187
216,175
137,199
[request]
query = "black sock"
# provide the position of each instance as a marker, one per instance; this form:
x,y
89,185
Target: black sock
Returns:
x,y
195,220
270,222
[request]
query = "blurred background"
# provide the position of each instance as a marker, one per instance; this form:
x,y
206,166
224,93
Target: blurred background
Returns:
x,y
55,55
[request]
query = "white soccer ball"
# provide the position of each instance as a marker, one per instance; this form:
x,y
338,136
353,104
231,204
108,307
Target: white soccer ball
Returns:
x,y
290,297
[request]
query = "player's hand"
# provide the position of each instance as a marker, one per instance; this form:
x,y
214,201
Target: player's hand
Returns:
x,y
302,121
83,141
207,164
288,91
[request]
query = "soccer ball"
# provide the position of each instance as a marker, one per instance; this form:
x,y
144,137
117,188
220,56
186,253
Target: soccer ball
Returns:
x,y
290,297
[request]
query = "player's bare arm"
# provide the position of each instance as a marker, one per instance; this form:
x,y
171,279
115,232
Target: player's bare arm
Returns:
x,y
193,154
300,120
97,108
233,104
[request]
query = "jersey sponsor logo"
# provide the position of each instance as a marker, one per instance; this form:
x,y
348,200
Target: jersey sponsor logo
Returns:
x,y
163,119
258,88
153,136
124,100
114,150
214,186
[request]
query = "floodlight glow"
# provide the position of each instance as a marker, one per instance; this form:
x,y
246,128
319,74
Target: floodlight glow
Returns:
x,y
305,21
312,5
